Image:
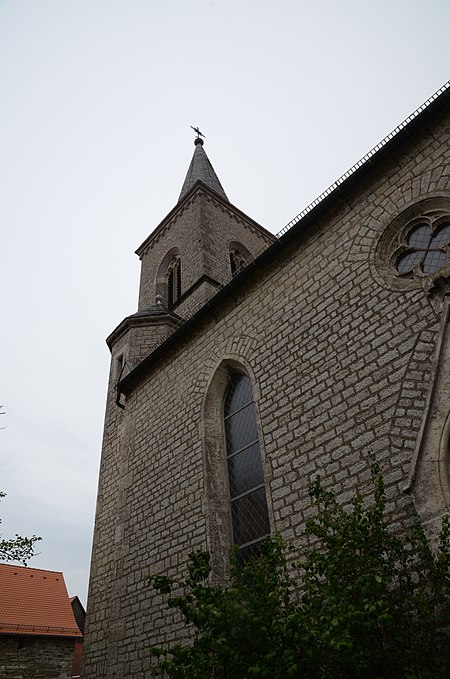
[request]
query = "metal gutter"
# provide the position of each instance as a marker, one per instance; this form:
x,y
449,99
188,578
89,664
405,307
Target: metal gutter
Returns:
x,y
312,212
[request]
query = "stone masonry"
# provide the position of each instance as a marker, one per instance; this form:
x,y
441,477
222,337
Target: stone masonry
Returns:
x,y
31,657
344,357
201,228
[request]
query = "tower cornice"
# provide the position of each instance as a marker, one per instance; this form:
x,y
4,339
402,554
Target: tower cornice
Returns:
x,y
141,319
197,190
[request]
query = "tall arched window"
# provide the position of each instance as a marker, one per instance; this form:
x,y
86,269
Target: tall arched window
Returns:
x,y
173,280
249,515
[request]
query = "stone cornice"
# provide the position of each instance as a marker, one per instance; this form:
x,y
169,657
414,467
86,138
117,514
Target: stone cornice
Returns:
x,y
203,279
192,196
140,320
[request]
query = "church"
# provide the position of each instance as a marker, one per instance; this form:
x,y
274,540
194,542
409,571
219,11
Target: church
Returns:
x,y
255,363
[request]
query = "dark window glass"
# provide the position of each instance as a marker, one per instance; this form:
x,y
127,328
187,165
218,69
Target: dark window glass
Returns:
x,y
426,248
420,237
408,261
173,278
246,553
245,470
250,519
442,236
241,429
434,260
232,264
239,394
178,268
170,287
237,261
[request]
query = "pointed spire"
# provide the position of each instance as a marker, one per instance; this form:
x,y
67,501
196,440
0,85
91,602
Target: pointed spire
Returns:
x,y
201,168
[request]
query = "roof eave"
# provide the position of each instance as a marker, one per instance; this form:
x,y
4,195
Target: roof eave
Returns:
x,y
136,320
418,122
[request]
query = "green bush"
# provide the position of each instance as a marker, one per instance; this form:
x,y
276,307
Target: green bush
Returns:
x,y
17,548
364,603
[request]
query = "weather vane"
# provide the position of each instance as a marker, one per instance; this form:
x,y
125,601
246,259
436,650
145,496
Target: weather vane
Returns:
x,y
199,134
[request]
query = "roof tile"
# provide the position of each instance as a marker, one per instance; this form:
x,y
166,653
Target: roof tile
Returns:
x,y
35,601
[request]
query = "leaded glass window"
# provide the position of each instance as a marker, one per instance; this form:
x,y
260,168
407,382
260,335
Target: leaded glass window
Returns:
x,y
249,515
426,250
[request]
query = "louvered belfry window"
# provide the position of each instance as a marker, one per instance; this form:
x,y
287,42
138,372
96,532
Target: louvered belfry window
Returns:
x,y
173,278
249,516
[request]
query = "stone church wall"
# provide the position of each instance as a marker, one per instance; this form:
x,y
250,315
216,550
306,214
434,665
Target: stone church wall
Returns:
x,y
35,657
181,234
341,361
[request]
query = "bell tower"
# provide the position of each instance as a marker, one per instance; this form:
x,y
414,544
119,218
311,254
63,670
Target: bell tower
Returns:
x,y
196,249
201,243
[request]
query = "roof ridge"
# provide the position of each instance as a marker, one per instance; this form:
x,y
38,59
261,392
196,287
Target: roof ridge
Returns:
x,y
30,568
197,309
37,600
364,159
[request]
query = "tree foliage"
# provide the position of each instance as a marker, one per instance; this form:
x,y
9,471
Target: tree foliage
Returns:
x,y
17,548
364,602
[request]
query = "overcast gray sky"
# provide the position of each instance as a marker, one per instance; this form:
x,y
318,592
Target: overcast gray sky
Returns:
x,y
97,97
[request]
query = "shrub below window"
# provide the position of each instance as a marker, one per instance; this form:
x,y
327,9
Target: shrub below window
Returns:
x,y
364,603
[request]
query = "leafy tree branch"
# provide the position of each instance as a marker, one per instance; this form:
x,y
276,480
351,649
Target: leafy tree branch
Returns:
x,y
365,602
18,548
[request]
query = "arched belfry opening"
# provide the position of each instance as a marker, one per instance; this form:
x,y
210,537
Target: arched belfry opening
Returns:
x,y
173,280
202,243
237,262
239,257
169,279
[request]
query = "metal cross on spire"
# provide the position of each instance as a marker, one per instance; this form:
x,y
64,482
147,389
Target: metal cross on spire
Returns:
x,y
199,134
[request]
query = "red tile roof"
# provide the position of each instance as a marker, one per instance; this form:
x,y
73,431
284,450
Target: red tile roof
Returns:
x,y
34,601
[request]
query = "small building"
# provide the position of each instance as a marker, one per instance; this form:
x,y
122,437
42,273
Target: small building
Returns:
x,y
39,635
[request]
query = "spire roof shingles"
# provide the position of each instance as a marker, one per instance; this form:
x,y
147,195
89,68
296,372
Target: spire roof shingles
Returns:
x,y
201,169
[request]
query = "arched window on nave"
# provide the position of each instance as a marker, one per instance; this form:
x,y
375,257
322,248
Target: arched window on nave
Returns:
x,y
249,515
